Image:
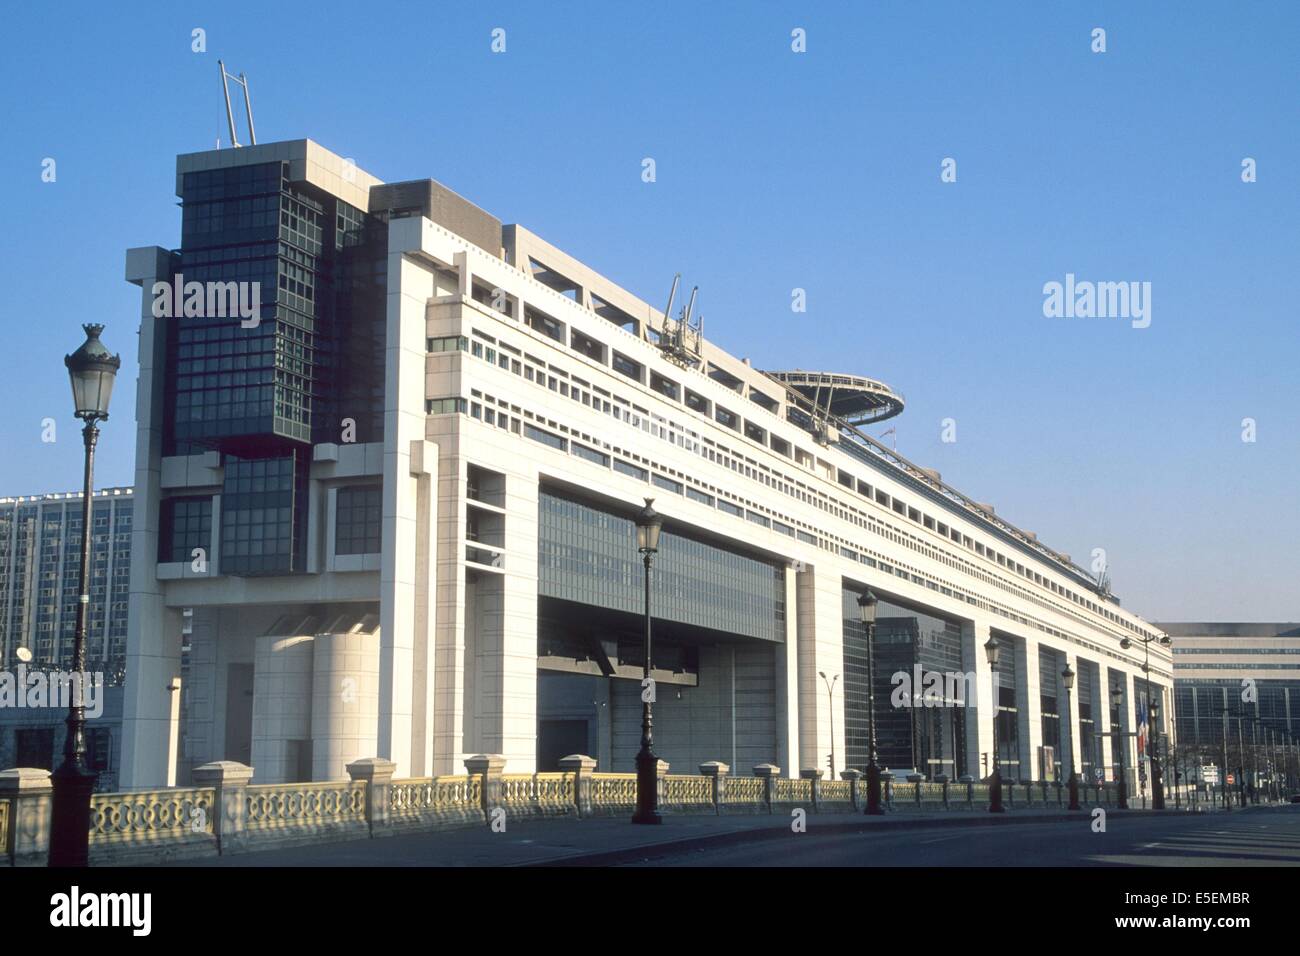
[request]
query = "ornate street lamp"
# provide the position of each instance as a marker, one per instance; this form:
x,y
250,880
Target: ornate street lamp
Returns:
x,y
1117,698
867,611
92,370
1067,681
648,525
992,650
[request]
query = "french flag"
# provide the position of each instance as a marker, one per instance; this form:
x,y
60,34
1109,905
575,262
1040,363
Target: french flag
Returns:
x,y
1142,728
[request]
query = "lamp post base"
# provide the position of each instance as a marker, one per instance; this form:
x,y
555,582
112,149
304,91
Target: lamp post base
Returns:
x,y
70,814
647,788
1074,792
874,808
995,794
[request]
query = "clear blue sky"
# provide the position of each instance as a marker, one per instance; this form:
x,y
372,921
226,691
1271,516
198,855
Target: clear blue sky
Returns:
x,y
775,170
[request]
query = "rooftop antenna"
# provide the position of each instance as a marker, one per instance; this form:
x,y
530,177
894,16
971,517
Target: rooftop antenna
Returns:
x,y
672,294
242,80
680,340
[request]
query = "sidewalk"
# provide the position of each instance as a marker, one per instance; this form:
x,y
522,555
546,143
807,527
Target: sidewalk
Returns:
x,y
605,841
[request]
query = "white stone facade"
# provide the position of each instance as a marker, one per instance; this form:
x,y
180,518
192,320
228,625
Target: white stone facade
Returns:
x,y
454,656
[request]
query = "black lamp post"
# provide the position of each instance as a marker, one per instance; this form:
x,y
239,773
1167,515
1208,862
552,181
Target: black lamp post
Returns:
x,y
648,525
830,694
1067,681
92,370
1117,698
992,649
1157,785
867,610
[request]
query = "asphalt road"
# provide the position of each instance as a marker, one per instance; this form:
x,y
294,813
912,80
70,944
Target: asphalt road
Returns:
x,y
1258,837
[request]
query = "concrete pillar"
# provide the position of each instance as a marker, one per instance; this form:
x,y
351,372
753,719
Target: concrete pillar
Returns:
x,y
488,768
821,650
717,772
787,680
1071,733
814,777
979,718
377,773
1101,717
410,287
854,777
30,795
153,643
582,767
151,715
1031,708
345,700
768,773
230,779
282,695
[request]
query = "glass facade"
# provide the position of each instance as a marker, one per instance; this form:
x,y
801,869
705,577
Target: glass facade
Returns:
x,y
1200,703
1119,727
186,524
1051,704
1008,720
927,736
357,520
263,505
588,555
309,370
40,551
1087,685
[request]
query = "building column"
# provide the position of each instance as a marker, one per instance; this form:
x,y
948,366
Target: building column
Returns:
x,y
1031,708
410,287
1101,718
979,712
153,643
1071,741
787,678
821,649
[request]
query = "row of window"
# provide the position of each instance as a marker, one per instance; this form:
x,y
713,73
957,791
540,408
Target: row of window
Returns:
x,y
597,351
558,380
649,471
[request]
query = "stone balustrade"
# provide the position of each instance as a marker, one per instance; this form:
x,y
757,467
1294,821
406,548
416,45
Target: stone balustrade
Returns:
x,y
224,813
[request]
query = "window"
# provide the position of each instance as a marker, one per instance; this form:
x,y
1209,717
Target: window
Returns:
x,y
667,484
697,403
546,438
625,366
764,401
730,419
445,406
629,469
754,433
186,525
665,386
586,345
99,748
699,496
449,343
582,451
358,520
543,323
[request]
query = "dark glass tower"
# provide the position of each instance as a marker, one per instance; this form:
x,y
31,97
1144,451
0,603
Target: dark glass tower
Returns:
x,y
308,370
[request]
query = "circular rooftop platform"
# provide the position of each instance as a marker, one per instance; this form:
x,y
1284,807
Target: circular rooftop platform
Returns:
x,y
857,400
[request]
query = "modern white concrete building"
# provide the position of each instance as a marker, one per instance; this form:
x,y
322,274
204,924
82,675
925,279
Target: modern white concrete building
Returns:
x,y
400,505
